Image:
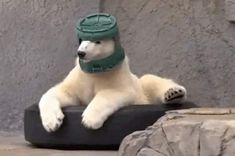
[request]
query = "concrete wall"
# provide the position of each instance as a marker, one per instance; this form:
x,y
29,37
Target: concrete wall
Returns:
x,y
37,47
186,40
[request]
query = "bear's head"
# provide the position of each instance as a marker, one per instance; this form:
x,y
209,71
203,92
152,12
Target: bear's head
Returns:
x,y
95,50
100,49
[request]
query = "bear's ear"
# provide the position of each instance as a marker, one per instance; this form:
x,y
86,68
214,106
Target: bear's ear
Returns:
x,y
79,41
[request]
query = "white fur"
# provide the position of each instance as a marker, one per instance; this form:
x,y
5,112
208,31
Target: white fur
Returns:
x,y
103,93
96,51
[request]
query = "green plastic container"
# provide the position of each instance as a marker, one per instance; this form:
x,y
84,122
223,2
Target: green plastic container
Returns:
x,y
97,26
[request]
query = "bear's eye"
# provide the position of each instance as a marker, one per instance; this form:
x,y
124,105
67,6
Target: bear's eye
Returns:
x,y
97,42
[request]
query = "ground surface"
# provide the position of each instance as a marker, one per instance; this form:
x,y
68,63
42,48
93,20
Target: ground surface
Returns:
x,y
15,145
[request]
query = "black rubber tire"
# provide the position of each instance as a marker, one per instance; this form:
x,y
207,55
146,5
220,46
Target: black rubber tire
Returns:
x,y
73,135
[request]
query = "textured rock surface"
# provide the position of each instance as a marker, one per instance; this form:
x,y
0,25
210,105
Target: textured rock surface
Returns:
x,y
191,132
230,10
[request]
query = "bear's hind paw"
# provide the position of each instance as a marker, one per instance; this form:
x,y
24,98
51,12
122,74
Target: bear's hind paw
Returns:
x,y
175,94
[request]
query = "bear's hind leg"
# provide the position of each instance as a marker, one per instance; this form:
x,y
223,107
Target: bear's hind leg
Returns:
x,y
162,90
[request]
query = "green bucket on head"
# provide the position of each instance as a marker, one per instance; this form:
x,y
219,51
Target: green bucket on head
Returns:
x,y
96,27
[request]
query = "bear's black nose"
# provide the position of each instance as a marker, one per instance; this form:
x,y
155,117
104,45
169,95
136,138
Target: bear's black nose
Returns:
x,y
81,54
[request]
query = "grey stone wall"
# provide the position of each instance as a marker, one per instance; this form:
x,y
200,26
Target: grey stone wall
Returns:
x,y
187,40
37,47
190,41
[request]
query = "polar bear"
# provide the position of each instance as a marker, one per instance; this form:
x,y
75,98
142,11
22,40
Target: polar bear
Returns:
x,y
103,92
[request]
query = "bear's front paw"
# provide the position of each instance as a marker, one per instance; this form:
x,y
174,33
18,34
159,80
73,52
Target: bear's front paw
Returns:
x,y
91,120
51,116
175,94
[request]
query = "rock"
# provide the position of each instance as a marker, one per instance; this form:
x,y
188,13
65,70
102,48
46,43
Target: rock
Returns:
x,y
148,151
230,10
188,132
133,143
